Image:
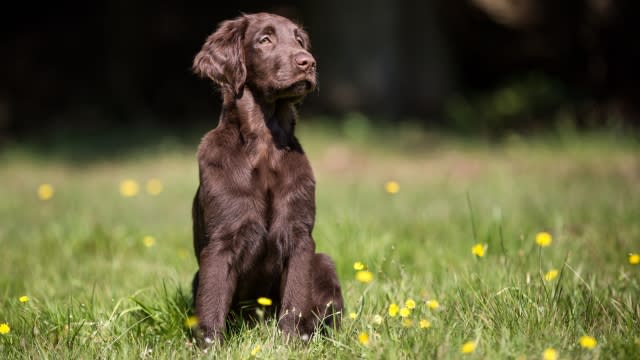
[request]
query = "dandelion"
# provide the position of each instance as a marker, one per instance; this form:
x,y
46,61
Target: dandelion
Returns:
x,y
404,312
433,304
393,309
129,188
634,258
407,323
4,328
392,187
377,319
353,315
543,239
264,301
23,298
149,241
468,347
550,354
154,187
425,324
479,250
364,276
410,303
588,342
358,266
190,322
551,274
45,192
363,338
255,350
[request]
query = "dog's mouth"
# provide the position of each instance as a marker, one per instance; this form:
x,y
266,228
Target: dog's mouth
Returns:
x,y
297,90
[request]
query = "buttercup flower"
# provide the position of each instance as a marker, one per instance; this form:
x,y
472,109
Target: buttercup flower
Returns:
x,y
363,338
154,186
551,274
4,328
410,304
149,241
543,239
358,266
393,309
45,192
550,354
353,315
255,350
23,298
392,187
634,258
468,347
364,276
588,342
425,324
377,319
404,312
129,188
264,301
407,322
479,250
433,304
190,321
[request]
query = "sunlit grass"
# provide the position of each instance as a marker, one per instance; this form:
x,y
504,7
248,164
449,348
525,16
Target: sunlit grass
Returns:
x,y
522,249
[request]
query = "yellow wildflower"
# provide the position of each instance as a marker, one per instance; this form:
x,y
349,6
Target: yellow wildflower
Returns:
x,y
407,323
410,304
149,241
404,312
588,342
634,258
190,321
543,239
393,309
363,338
425,324
377,319
154,186
550,354
264,301
45,191
23,298
358,266
353,315
129,188
255,350
433,304
479,250
364,276
551,274
392,187
468,347
4,328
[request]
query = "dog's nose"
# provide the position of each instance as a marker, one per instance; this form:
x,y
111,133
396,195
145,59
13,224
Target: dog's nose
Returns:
x,y
305,61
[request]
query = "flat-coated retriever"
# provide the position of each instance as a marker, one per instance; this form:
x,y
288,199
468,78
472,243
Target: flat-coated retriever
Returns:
x,y
254,209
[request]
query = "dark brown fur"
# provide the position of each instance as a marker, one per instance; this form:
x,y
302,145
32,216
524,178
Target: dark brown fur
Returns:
x,y
254,209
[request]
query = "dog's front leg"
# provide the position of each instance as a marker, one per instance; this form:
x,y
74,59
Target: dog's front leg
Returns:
x,y
295,313
216,285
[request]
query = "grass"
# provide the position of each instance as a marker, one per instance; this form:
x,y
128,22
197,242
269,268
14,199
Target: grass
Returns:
x,y
97,291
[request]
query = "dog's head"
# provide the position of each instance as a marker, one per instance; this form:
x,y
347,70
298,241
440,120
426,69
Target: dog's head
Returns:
x,y
267,53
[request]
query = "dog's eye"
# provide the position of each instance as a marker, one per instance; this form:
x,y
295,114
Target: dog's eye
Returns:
x,y
264,39
300,41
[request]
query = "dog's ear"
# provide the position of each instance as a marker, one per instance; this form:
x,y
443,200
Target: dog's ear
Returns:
x,y
222,56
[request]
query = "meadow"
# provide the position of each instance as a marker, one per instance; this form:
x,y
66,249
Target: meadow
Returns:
x,y
446,247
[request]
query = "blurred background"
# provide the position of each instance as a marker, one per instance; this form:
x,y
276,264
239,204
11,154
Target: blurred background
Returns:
x,y
485,67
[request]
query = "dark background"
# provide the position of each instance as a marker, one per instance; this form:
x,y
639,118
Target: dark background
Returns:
x,y
467,66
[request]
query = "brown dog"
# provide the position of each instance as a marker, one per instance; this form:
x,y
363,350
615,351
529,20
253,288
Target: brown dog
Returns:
x,y
254,209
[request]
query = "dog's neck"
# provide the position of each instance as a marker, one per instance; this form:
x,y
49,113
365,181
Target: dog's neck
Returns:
x,y
270,120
